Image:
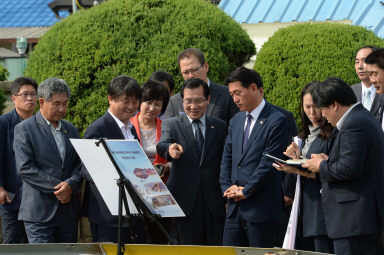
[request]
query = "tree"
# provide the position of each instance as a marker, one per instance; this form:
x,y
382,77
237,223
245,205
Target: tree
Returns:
x,y
302,53
3,76
134,37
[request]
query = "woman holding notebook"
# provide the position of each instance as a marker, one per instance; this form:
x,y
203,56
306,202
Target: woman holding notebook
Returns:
x,y
316,136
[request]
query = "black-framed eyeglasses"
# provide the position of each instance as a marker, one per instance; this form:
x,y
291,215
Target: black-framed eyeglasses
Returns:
x,y
26,94
191,71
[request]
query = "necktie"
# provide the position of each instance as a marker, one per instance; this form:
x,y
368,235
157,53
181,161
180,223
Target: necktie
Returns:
x,y
367,99
246,131
199,138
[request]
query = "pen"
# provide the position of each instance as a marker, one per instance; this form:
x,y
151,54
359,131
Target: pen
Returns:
x,y
293,140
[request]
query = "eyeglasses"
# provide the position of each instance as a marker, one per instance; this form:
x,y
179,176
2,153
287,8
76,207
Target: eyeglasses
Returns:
x,y
191,71
26,94
197,101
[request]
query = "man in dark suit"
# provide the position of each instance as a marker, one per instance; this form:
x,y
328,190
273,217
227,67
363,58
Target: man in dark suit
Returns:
x,y
352,175
365,91
375,69
24,97
194,143
123,96
49,167
247,178
192,64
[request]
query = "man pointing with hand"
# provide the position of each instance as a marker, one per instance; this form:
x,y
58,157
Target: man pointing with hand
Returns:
x,y
194,143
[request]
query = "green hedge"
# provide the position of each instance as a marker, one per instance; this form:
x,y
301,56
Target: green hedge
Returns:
x,y
3,76
134,37
298,54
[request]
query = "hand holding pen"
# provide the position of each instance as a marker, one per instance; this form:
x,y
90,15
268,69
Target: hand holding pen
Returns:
x,y
293,151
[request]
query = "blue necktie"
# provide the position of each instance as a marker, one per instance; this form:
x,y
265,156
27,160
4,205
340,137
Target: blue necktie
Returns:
x,y
199,138
246,131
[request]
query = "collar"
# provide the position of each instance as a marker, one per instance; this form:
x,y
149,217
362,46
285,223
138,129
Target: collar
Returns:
x,y
371,88
340,123
120,123
51,125
256,112
202,119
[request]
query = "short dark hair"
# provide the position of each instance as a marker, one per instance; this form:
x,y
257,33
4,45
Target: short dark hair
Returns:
x,y
20,82
162,76
325,126
366,47
191,52
246,76
376,58
153,90
193,84
333,90
124,84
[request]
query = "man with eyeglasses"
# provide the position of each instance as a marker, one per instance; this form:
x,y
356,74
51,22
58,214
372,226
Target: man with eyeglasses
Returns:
x,y
24,96
192,64
194,143
375,69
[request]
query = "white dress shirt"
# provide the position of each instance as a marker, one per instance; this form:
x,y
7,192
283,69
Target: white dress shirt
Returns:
x,y
125,129
340,123
255,115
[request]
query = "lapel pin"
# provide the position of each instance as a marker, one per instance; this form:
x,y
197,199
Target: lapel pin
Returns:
x,y
261,122
65,131
212,126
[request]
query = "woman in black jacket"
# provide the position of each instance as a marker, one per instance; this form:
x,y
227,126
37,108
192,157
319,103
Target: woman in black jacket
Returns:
x,y
316,136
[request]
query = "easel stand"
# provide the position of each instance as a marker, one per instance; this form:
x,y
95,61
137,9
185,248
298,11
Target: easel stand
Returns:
x,y
144,212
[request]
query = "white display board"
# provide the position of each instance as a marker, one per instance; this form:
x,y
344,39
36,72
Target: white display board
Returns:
x,y
135,166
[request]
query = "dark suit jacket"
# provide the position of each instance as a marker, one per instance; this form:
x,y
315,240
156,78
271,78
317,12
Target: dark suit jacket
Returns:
x,y
312,210
94,206
251,168
220,105
381,110
9,179
288,180
41,168
189,174
352,178
376,109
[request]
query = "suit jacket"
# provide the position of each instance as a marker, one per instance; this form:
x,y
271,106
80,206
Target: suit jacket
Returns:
x,y
381,111
41,168
352,178
288,180
9,179
94,206
189,174
251,168
220,105
312,209
376,108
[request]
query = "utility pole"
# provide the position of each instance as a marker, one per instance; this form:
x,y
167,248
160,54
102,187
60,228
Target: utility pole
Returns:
x,y
74,6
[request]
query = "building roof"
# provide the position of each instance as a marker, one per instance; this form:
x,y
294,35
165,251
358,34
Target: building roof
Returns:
x,y
366,13
27,32
26,13
5,53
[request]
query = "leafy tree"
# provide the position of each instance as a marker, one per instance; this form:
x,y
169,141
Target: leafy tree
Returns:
x,y
3,76
134,37
302,53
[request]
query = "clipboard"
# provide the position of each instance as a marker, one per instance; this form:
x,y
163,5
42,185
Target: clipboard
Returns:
x,y
291,162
